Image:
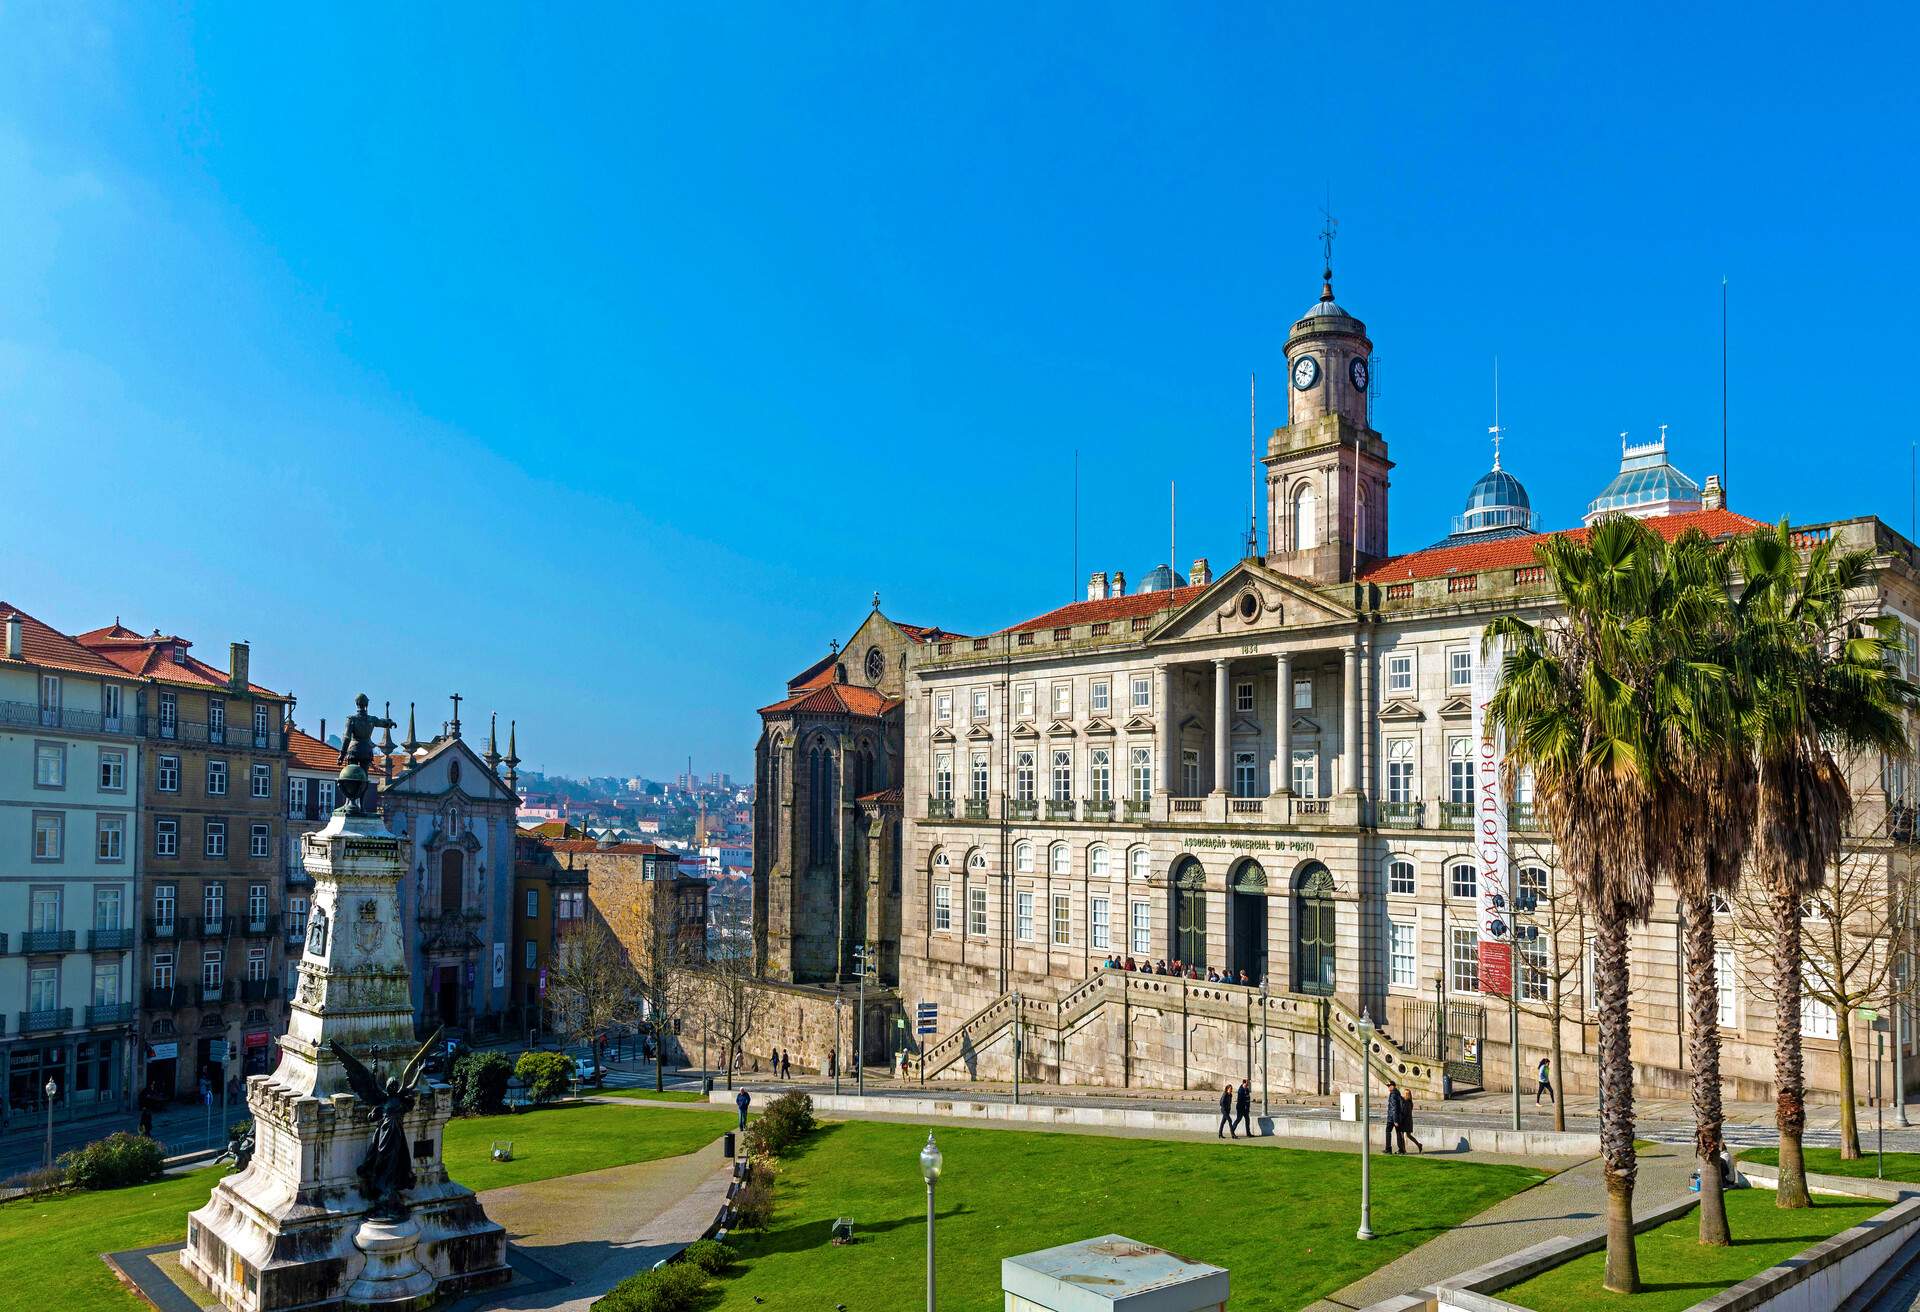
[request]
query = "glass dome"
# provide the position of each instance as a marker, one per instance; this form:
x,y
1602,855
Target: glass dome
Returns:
x,y
1497,501
1646,485
1161,578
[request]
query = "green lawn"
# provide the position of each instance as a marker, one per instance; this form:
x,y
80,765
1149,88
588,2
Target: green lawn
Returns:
x,y
52,1245
1826,1161
1280,1220
1676,1272
650,1095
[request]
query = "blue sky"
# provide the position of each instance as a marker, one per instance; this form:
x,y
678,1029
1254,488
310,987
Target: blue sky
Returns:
x,y
599,364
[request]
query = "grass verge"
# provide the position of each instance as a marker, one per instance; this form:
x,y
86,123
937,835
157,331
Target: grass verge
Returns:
x,y
1827,1161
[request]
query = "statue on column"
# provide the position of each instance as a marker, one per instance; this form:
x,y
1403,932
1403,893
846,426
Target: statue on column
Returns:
x,y
386,1173
356,754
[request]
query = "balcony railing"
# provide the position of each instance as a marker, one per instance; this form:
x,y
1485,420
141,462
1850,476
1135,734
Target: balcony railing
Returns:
x,y
29,715
261,926
1253,806
311,811
296,931
1132,808
1059,810
1313,807
1456,815
234,737
164,929
1187,805
255,990
1095,809
939,808
109,1013
40,1022
212,994
47,940
164,997
1526,816
1403,815
976,808
109,940
1019,810
210,927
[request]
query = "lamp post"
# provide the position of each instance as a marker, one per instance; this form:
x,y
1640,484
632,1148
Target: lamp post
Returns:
x,y
1366,1127
52,1091
837,999
930,1172
1266,1108
1016,1048
860,1022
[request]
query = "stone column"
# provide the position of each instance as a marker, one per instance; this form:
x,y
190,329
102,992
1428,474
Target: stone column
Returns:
x,y
1367,735
1222,727
1350,694
1283,726
1169,732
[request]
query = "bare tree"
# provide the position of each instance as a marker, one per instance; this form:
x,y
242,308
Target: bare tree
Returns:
x,y
1551,928
592,986
726,994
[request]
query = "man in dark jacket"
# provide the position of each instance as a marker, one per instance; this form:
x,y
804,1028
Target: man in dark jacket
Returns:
x,y
1396,1115
1226,1114
741,1100
1243,1108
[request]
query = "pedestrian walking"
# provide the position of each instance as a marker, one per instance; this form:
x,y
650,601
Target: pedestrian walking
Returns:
x,y
742,1100
1406,1124
1226,1114
1243,1108
786,1066
147,1099
833,1064
1396,1112
1545,1076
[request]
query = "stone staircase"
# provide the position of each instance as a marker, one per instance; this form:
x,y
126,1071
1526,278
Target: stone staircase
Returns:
x,y
1046,1021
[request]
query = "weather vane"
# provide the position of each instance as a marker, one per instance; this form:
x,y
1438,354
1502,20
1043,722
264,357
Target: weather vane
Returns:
x,y
1328,231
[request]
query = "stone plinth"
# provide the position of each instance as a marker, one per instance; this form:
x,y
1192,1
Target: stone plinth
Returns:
x,y
1111,1274
292,1230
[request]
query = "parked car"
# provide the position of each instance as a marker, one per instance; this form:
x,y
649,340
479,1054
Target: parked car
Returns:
x,y
585,1070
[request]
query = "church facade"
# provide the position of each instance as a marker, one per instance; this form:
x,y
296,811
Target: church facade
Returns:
x,y
1270,773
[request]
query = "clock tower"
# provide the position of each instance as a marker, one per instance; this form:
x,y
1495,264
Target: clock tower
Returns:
x,y
1327,469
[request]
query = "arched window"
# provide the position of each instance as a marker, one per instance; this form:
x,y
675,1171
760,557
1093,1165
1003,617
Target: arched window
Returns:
x,y
1140,864
1365,523
823,804
1060,859
1302,519
1097,861
1463,880
1400,877
1023,858
977,862
941,860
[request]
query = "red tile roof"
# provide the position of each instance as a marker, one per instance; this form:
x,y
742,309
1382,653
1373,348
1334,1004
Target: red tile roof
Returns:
x,y
42,644
1509,552
309,753
834,699
151,657
885,797
1113,608
580,846
925,633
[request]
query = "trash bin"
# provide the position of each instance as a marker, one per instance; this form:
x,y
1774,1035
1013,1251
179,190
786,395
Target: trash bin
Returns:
x,y
726,1145
706,1085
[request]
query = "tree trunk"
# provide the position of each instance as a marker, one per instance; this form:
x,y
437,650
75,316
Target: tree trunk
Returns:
x,y
1703,1051
1615,1064
1849,1116
1789,1079
1560,1074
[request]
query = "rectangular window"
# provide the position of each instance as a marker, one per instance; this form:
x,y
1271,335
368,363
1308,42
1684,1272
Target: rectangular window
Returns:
x,y
166,774
296,917
1401,955
531,958
1463,881
1099,929
978,777
1817,1020
263,781
1102,697
296,797
110,838
977,912
164,903
1303,694
979,715
106,908
213,969
1533,970
43,988
1400,878
1400,672
113,771
256,904
216,719
326,795
1460,668
49,836
1460,772
163,970
533,904
1725,981
43,910
1245,775
1063,775
943,707
1400,771
1142,775
1100,774
1142,926
110,703
166,838
169,715
1023,916
943,776
259,840
1023,776
1463,959
216,778
1023,702
1189,773
942,907
213,901
1243,697
49,765
256,964
216,844
1062,919
259,724
1306,773
1142,686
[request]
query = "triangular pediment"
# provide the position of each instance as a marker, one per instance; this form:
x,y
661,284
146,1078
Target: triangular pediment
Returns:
x,y
1401,712
1025,731
1252,598
1456,708
1245,726
450,766
1061,729
979,733
943,734
1301,724
1191,722
1139,724
1099,728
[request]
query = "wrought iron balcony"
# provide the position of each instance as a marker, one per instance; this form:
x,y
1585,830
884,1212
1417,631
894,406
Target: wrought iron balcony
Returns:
x,y
1022,810
261,926
41,1022
296,932
29,715
1456,815
211,927
1403,815
47,940
109,940
109,1013
167,929
213,994
164,998
1059,809
976,808
1097,809
939,808
256,990
234,737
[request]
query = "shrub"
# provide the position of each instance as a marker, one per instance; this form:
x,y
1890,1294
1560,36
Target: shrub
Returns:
x,y
710,1255
546,1074
119,1159
676,1287
38,1180
787,1121
753,1201
480,1083
240,1129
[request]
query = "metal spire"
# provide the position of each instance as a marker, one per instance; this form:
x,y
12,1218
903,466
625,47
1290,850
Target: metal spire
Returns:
x,y
386,737
455,727
412,744
1328,231
492,755
513,757
1496,430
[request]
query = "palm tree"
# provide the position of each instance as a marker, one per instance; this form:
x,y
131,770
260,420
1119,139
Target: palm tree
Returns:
x,y
1605,703
1821,677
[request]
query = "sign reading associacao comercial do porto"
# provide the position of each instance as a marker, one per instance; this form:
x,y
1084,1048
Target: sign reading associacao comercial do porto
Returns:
x,y
1490,832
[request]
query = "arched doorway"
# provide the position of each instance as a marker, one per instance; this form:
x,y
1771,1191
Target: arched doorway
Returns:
x,y
1313,929
1249,916
1189,914
452,882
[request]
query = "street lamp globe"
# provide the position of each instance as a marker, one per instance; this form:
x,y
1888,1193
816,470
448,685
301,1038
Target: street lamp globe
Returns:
x,y
53,1090
930,1160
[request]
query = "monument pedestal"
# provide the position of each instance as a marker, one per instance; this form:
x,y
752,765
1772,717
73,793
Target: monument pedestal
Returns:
x,y
293,1230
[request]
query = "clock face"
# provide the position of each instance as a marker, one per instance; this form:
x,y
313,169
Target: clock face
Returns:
x,y
1306,372
1357,371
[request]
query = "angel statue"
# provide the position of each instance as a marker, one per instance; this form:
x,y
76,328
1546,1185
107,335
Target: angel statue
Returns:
x,y
386,1173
